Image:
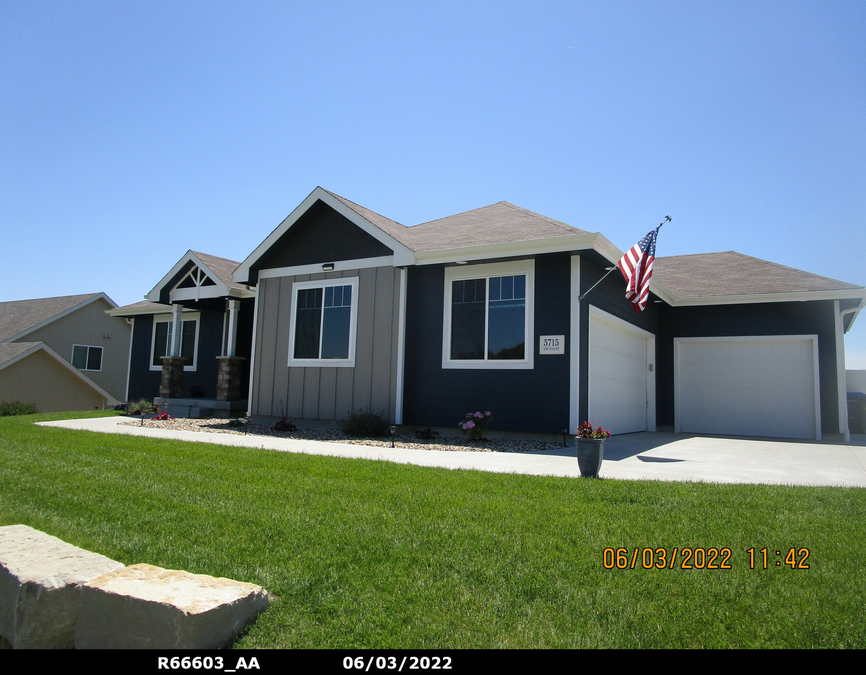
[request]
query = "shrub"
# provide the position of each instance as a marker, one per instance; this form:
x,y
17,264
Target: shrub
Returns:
x,y
366,424
139,407
9,408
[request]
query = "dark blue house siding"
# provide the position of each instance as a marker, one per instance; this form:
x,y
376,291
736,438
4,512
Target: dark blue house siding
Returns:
x,y
520,400
322,235
783,318
608,296
201,383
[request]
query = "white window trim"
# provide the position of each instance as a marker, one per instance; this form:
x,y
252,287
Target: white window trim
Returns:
x,y
353,324
87,357
185,316
458,273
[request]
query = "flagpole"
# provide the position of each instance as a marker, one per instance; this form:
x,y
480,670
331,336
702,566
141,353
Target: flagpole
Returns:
x,y
666,220
596,283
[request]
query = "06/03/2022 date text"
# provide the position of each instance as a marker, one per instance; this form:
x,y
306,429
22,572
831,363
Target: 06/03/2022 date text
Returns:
x,y
699,558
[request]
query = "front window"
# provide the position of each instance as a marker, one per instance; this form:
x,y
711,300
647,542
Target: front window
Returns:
x,y
488,320
161,344
323,322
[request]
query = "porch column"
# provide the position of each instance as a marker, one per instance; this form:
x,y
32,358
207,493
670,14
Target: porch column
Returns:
x,y
176,324
234,306
229,378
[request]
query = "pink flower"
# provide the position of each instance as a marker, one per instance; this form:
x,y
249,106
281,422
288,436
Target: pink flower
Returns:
x,y
478,415
488,413
469,425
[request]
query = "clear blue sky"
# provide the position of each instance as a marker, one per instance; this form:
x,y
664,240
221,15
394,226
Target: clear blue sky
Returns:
x,y
132,131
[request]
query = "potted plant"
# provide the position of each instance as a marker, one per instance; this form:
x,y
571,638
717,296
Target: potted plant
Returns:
x,y
590,448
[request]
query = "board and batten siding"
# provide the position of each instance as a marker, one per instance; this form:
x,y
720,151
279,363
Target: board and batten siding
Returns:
x,y
327,392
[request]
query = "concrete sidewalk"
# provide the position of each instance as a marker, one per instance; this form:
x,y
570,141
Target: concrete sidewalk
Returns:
x,y
642,456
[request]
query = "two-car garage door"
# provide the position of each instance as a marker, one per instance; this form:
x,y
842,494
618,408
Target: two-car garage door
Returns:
x,y
748,386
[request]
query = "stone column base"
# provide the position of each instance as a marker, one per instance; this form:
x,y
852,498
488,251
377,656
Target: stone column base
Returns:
x,y
171,385
229,379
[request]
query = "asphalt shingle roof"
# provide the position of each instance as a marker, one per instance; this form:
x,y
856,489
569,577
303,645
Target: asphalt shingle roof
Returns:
x,y
18,316
222,267
499,223
731,273
10,350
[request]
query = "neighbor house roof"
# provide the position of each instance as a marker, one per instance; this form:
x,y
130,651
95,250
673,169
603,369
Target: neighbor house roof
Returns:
x,y
19,317
728,274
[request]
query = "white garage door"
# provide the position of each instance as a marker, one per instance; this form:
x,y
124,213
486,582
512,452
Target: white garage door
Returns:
x,y
764,386
621,387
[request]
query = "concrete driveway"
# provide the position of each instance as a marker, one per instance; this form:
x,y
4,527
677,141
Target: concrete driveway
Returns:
x,y
642,456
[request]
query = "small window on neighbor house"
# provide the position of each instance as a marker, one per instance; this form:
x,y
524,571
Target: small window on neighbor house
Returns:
x,y
85,357
323,322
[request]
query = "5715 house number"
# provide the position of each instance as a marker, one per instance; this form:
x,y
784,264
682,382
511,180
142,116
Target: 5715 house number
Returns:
x,y
551,344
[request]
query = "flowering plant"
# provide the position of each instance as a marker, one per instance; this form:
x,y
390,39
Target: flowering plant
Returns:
x,y
586,430
163,416
475,424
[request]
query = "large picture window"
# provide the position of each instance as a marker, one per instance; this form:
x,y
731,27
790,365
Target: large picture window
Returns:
x,y
85,357
161,342
323,322
488,316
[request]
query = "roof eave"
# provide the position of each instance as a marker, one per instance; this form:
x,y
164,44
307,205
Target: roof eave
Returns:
x,y
756,298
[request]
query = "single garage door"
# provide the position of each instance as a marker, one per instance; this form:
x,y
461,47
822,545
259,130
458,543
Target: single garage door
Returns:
x,y
621,384
765,386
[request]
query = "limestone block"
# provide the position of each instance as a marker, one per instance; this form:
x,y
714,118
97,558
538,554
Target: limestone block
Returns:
x,y
147,607
39,587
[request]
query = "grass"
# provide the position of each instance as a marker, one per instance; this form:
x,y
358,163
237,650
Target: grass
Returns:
x,y
364,554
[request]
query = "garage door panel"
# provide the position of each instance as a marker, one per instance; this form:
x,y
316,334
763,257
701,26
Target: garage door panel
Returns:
x,y
617,376
753,387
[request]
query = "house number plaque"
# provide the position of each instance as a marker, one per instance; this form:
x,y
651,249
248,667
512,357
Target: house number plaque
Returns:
x,y
551,344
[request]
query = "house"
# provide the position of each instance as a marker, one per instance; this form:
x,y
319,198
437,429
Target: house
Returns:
x,y
63,353
206,368
482,311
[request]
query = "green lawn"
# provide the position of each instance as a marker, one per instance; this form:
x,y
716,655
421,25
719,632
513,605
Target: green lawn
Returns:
x,y
377,555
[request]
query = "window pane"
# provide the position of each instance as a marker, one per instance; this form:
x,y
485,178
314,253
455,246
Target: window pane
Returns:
x,y
79,357
335,322
308,320
94,358
187,341
467,318
335,332
160,341
506,329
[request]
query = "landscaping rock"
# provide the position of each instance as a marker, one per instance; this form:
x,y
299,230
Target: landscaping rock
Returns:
x,y
40,577
147,607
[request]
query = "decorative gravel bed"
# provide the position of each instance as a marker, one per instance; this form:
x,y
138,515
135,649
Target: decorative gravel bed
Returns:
x,y
450,443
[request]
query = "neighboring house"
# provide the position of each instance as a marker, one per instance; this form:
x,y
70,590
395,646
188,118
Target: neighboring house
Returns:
x,y
482,311
214,317
75,354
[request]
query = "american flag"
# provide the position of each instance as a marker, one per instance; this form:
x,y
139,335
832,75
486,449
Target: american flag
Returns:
x,y
637,268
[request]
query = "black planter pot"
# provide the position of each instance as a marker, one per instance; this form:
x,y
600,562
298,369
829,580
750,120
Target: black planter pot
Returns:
x,y
590,452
